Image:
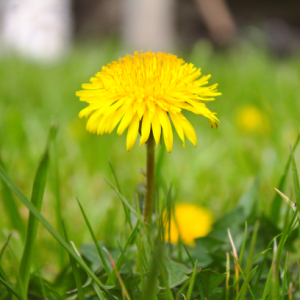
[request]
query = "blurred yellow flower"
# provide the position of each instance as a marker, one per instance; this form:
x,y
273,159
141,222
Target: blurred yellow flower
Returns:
x,y
142,92
191,221
250,119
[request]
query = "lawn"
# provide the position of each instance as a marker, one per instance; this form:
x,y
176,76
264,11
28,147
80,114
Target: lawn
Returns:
x,y
236,165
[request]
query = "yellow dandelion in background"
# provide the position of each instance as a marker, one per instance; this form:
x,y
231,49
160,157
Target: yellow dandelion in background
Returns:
x,y
143,92
191,222
250,119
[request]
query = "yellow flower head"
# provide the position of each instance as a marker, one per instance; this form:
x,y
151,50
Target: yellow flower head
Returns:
x,y
143,91
250,119
191,222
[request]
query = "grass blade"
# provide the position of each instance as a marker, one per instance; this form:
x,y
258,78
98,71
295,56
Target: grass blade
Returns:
x,y
123,287
242,294
277,201
127,214
4,246
286,231
197,279
244,244
75,269
100,252
98,292
192,282
274,291
227,288
56,191
131,239
47,225
10,288
295,179
115,176
251,249
284,278
122,198
11,208
33,222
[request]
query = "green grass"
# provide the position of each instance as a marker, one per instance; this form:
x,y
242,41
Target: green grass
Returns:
x,y
231,172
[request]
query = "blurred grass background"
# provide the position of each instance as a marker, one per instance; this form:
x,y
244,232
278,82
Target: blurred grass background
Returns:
x,y
215,174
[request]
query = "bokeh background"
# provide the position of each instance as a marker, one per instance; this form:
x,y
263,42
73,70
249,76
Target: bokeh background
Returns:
x,y
49,48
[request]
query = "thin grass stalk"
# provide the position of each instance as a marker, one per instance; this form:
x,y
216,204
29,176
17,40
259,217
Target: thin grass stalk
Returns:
x,y
4,246
123,287
247,279
150,180
100,252
274,291
277,202
33,222
56,187
5,279
251,249
127,213
284,277
291,291
51,230
12,290
192,282
131,240
244,243
236,268
227,288
74,269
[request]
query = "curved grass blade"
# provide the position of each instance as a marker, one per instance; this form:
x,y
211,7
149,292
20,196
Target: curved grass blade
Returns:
x,y
47,225
244,243
192,282
75,269
6,279
100,252
295,179
242,293
122,198
57,195
123,287
115,176
8,286
11,208
197,278
131,239
33,222
127,214
286,231
277,201
4,246
284,278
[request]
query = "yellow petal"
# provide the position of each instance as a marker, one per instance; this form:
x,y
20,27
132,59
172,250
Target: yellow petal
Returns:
x,y
93,121
167,128
188,130
125,121
86,112
91,86
102,124
178,126
146,126
156,129
114,120
133,131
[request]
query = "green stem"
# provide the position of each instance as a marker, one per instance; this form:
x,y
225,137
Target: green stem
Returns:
x,y
150,173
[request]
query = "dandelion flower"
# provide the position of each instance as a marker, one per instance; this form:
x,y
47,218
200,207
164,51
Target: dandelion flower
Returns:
x,y
191,222
250,119
143,92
